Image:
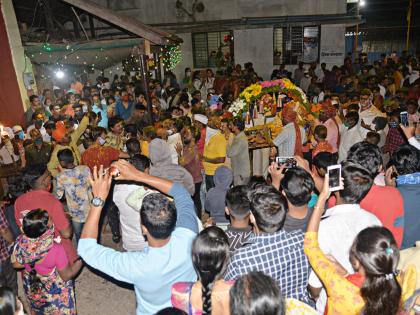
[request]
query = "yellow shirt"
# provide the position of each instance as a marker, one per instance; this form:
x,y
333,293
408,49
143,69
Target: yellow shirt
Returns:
x,y
144,148
215,148
75,136
343,296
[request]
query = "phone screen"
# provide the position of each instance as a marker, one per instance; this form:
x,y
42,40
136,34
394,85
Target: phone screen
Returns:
x,y
404,118
334,177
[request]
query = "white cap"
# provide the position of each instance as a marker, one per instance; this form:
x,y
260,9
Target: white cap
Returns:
x,y
17,129
201,118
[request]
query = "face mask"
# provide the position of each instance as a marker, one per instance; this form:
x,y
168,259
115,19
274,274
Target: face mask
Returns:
x,y
393,124
169,132
187,141
38,141
38,124
346,124
21,135
101,141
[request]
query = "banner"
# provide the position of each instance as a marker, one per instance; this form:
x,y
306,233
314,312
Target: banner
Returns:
x,y
310,44
333,44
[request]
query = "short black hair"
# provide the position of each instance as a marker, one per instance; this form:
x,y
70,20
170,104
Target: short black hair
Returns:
x,y
237,201
35,223
158,215
321,131
380,122
353,108
298,186
373,135
131,128
140,106
269,208
256,293
113,121
171,311
133,146
353,115
324,159
406,159
140,162
357,182
366,155
66,156
239,123
150,132
32,98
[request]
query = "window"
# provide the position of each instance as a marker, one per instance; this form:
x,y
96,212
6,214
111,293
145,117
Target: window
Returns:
x,y
293,44
213,49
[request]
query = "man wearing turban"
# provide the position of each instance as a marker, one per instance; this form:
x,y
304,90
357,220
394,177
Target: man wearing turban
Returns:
x,y
327,118
290,140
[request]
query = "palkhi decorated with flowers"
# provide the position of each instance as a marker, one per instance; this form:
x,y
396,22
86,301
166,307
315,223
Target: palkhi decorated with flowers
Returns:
x,y
267,97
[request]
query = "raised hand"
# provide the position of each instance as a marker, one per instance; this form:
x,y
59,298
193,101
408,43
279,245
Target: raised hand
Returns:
x,y
100,182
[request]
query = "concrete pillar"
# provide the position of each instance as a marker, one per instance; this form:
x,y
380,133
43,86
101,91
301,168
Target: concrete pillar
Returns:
x,y
13,64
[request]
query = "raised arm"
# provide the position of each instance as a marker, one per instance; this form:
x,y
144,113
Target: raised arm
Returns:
x,y
186,217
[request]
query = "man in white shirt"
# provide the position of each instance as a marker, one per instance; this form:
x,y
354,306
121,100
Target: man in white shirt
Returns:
x,y
341,223
367,111
132,236
289,142
350,133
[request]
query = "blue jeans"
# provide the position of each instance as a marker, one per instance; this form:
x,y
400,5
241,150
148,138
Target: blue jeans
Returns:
x,y
77,229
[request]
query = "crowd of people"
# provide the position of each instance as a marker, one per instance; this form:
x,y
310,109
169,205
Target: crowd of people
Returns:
x,y
200,232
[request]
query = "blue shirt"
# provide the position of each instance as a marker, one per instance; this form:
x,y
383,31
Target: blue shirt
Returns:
x,y
124,113
152,271
104,115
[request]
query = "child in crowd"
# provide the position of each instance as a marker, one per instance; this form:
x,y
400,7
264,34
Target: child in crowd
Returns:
x,y
216,196
73,182
322,145
373,137
237,208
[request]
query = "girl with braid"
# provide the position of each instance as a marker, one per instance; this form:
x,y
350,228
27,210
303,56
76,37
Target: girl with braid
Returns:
x,y
210,294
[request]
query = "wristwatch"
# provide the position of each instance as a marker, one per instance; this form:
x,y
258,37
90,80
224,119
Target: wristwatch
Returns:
x,y
97,202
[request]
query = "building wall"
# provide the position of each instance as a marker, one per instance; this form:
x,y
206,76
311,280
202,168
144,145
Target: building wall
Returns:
x,y
256,46
164,11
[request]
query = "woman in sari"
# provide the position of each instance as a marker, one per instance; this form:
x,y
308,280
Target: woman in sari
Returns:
x,y
47,275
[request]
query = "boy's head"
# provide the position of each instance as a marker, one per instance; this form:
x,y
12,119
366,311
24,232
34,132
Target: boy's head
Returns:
x,y
322,160
133,146
367,155
237,203
140,162
357,183
297,186
268,209
65,158
373,137
149,133
320,133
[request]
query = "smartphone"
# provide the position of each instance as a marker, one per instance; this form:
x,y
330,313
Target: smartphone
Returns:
x,y
404,118
334,177
289,161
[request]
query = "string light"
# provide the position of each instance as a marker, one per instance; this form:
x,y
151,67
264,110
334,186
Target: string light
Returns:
x,y
171,56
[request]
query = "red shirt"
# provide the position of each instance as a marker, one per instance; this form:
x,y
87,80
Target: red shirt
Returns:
x,y
100,155
387,204
42,199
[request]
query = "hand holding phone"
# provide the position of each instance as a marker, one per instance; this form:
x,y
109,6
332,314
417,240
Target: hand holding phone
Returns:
x,y
404,118
288,161
334,177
